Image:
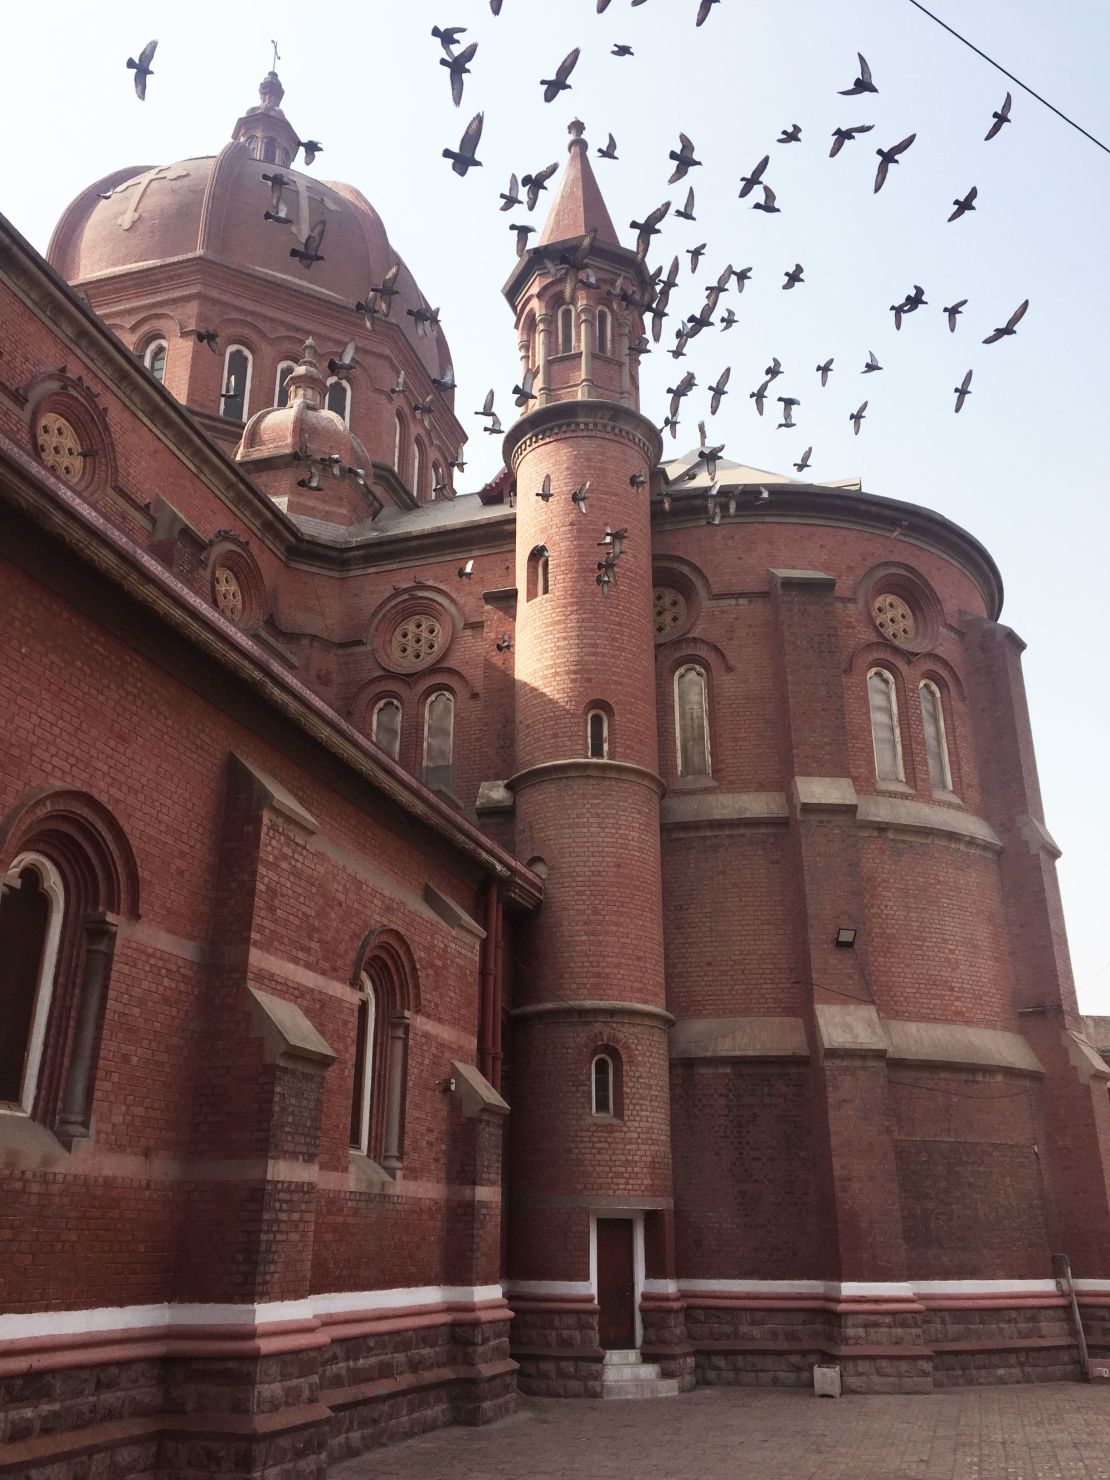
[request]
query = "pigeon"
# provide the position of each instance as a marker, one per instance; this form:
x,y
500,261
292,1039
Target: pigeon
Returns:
x,y
537,182
680,347
863,82
398,387
210,337
695,255
723,279
448,36
458,461
793,277
524,392
706,454
464,158
768,202
523,232
727,321
684,159
788,403
773,370
703,11
872,364
487,406
379,297
687,211
494,425
544,491
842,136
800,466
620,50
762,496
856,417
647,228
677,392
610,150
457,66
277,183
749,182
510,197
637,480
142,68
446,381
1010,326
579,496
962,391
313,479
741,274
887,157
553,86
718,390
311,147
672,423
954,312
713,508
964,205
422,410
466,571
309,253
791,135
1001,118
424,320
759,396
825,370
342,367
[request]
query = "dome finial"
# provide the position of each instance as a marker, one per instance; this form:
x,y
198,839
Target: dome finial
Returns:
x,y
576,128
306,383
270,91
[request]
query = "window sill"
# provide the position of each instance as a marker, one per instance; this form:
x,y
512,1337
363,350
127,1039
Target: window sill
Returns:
x,y
693,783
896,788
27,1145
599,1119
949,798
368,1175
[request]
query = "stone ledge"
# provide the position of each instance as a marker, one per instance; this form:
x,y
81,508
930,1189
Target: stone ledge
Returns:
x,y
451,912
952,1043
879,812
739,1038
724,809
850,1030
269,793
288,1036
476,1095
822,794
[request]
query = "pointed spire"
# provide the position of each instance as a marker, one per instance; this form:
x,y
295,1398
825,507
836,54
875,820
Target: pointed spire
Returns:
x,y
579,205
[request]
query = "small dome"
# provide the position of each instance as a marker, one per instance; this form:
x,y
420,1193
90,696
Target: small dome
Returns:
x,y
304,427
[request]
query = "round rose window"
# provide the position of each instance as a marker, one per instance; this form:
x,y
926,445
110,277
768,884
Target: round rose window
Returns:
x,y
60,447
227,593
417,639
670,612
894,619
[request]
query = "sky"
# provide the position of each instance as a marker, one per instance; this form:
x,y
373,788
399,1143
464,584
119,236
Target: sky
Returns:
x,y
1022,467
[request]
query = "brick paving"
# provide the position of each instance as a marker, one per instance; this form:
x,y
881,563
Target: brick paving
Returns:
x,y
1049,1431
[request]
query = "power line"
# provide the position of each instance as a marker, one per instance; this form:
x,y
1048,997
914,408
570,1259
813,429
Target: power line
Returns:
x,y
1016,80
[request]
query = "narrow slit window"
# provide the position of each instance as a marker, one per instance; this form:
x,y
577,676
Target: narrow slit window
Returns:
x,y
602,1085
439,741
597,734
155,359
400,441
692,721
566,331
339,399
885,735
603,332
235,394
386,726
31,905
418,470
362,1089
281,384
936,741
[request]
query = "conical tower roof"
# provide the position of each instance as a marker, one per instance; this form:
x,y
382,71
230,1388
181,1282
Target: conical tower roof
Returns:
x,y
579,206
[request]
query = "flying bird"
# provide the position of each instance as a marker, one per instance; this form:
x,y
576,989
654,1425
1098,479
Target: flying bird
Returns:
x,y
448,36
791,135
523,232
380,296
210,337
537,182
856,417
687,211
801,466
742,275
695,255
794,277
887,157
277,183
510,197
872,364
637,480
610,150
495,6
579,496
759,396
677,392
954,312
457,66
1001,118
1010,326
964,205
962,391
524,392
773,370
718,390
703,11
494,425
446,381
788,403
825,370
544,491
842,136
309,253
553,86
749,182
398,387
768,202
863,83
424,319
342,367
311,147
620,50
672,423
465,157
727,320
142,68
647,228
683,157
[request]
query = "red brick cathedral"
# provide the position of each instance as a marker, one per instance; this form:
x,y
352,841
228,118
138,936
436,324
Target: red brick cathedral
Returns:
x,y
579,941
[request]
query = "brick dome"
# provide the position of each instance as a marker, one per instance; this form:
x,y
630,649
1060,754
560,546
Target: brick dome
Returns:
x,y
304,427
214,206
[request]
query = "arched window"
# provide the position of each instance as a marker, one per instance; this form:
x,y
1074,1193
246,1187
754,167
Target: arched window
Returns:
x,y
603,332
32,902
252,146
400,441
154,358
691,702
439,740
936,741
418,470
539,572
269,151
386,726
236,392
367,1050
566,330
597,735
284,158
439,482
281,384
885,733
339,399
602,1099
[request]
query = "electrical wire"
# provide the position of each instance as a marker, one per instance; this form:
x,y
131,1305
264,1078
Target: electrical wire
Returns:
x,y
1015,80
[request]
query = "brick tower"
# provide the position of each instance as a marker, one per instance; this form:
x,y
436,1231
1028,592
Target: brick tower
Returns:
x,y
591,1204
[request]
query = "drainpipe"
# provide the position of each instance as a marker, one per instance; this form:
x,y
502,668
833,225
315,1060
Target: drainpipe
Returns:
x,y
497,995
1061,1268
487,985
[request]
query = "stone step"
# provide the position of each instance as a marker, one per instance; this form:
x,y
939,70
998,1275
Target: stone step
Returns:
x,y
653,1387
622,1357
629,1371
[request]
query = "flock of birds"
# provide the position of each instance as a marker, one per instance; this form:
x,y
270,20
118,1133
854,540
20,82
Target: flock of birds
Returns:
x,y
650,292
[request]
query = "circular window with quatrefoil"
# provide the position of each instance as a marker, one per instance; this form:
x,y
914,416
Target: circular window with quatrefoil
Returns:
x,y
670,611
894,618
227,593
417,640
414,635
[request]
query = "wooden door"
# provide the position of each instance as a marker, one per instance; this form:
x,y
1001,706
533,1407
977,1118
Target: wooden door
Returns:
x,y
616,1284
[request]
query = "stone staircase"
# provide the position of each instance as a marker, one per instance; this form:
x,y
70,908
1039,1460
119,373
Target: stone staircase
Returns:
x,y
625,1374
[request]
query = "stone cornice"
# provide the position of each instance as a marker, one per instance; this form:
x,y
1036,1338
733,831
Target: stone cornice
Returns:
x,y
595,1010
577,418
578,767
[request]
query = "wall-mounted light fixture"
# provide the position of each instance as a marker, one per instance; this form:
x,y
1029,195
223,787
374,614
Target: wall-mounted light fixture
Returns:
x,y
846,937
